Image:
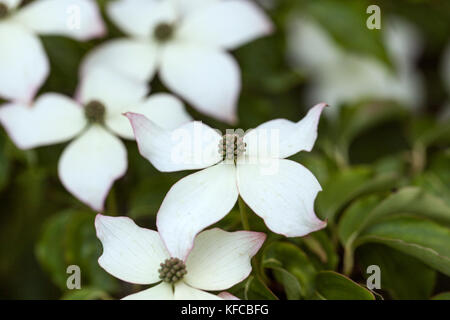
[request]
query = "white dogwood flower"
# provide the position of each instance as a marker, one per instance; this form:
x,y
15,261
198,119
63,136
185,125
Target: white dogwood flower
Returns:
x,y
96,157
218,260
186,40
23,63
280,191
339,76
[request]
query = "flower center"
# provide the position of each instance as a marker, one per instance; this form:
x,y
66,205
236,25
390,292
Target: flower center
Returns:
x,y
95,111
163,32
3,10
231,146
172,270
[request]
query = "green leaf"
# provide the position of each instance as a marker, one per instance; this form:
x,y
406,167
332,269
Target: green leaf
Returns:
x,y
292,259
287,279
346,185
320,248
86,294
410,200
426,131
442,296
356,119
69,238
420,238
349,17
149,193
331,285
436,179
255,289
352,122
403,276
356,217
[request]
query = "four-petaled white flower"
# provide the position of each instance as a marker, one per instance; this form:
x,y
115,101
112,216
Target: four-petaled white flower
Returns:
x,y
218,260
186,41
280,191
339,76
23,62
96,158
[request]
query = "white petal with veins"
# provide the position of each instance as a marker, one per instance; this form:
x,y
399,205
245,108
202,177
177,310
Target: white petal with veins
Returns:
x,y
282,192
116,92
130,253
226,24
91,163
139,18
193,145
162,291
79,19
23,63
194,203
281,138
163,109
141,58
207,78
53,118
186,292
221,259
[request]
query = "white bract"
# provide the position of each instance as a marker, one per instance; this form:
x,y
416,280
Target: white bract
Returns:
x,y
96,157
218,260
339,76
23,63
280,191
186,40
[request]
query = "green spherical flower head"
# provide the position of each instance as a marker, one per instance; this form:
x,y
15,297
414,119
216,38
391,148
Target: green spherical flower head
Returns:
x,y
231,146
3,10
95,111
163,32
172,270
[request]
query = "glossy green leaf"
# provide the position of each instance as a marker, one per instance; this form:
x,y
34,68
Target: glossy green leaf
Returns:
x,y
403,276
292,259
436,179
288,280
410,200
348,184
420,238
68,239
255,289
331,285
321,249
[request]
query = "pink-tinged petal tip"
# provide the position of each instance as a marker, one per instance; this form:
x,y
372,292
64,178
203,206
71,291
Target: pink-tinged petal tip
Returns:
x,y
227,296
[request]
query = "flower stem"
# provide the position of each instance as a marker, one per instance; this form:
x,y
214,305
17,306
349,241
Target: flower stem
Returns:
x,y
244,219
111,203
243,211
418,158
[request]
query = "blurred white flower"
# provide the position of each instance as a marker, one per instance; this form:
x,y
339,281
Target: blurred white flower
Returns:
x,y
96,157
280,191
339,76
218,260
186,40
23,63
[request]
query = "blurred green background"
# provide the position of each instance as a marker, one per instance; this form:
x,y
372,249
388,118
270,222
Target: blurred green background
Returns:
x,y
384,167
